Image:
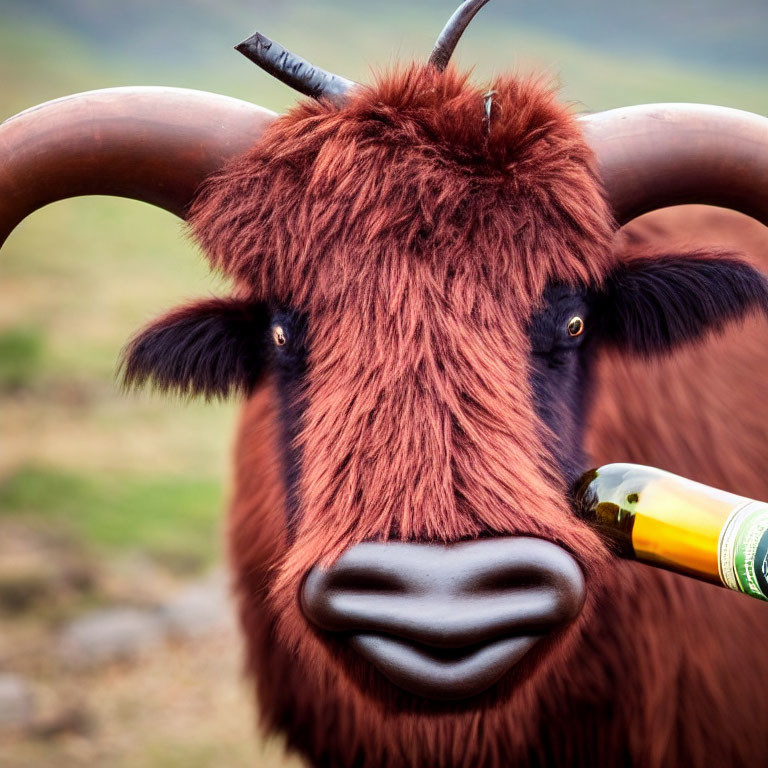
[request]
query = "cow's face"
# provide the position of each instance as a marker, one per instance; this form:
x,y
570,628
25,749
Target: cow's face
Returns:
x,y
422,278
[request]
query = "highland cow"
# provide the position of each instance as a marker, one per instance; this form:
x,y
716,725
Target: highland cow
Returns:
x,y
437,327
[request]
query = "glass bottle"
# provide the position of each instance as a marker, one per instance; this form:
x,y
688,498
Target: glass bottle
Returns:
x,y
669,521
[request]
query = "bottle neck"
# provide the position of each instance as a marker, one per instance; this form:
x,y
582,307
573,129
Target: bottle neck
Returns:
x,y
597,501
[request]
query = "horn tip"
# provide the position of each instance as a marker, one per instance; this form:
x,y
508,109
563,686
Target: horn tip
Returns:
x,y
256,40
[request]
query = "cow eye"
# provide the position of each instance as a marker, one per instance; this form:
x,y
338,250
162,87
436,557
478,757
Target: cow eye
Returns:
x,y
278,335
575,326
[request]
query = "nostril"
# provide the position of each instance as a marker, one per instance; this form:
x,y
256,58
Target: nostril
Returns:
x,y
361,580
533,566
365,568
505,580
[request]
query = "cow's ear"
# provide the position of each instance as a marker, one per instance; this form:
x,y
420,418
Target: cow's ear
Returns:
x,y
212,348
652,305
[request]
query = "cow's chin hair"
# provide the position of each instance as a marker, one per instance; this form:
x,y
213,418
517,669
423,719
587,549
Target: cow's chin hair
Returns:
x,y
336,708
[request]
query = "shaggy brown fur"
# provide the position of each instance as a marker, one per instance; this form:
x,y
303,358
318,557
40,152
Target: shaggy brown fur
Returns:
x,y
417,242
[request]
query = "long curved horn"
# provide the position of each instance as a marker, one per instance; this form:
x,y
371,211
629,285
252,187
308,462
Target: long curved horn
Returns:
x,y
151,144
294,71
657,155
452,32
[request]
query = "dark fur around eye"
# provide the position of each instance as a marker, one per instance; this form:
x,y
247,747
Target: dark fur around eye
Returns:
x,y
289,362
559,373
290,357
548,327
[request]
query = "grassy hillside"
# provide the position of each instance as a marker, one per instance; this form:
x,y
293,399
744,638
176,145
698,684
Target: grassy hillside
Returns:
x,y
704,33
76,280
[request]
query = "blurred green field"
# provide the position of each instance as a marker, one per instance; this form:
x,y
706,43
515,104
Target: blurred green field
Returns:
x,y
126,473
168,517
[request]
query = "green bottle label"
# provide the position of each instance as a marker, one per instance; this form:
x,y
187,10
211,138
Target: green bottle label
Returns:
x,y
743,550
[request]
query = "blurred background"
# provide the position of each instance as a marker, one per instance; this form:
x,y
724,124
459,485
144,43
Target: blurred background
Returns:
x,y
117,645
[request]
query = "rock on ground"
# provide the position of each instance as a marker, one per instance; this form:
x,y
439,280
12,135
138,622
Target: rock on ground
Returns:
x,y
17,702
117,634
198,609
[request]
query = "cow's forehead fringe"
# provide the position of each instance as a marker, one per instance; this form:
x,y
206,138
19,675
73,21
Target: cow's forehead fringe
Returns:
x,y
411,168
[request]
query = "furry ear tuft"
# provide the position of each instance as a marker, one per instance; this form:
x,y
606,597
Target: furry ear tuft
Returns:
x,y
212,348
651,305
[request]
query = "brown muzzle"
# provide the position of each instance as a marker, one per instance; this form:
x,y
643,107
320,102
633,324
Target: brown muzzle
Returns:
x,y
446,621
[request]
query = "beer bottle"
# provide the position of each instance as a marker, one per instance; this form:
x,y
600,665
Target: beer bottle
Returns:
x,y
674,523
